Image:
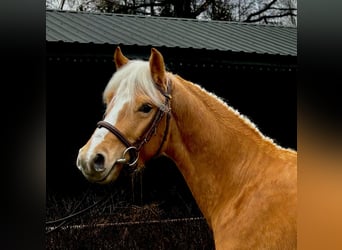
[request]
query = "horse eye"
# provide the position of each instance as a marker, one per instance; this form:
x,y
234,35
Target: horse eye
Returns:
x,y
145,108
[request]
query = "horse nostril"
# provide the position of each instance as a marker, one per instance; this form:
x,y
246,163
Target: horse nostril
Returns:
x,y
98,162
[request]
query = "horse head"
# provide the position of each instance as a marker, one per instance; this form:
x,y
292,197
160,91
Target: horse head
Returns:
x,y
136,121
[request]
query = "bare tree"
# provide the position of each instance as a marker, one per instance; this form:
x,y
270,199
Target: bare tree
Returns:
x,y
282,12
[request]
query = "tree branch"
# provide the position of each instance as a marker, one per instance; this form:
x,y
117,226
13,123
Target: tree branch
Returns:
x,y
265,18
202,8
284,9
266,7
61,5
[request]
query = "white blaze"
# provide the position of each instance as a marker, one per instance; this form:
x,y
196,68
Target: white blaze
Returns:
x,y
111,117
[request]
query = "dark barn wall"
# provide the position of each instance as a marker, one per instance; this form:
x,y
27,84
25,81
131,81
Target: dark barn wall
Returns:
x,y
76,78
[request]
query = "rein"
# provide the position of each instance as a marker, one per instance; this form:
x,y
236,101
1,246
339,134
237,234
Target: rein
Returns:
x,y
134,149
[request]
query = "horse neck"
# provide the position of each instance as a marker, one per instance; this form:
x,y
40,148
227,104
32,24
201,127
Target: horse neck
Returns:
x,y
210,144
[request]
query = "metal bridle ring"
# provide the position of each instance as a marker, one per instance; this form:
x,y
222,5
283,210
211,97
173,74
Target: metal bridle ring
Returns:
x,y
137,155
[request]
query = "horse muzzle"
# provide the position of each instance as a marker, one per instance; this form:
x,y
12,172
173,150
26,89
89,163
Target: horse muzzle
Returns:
x,y
97,167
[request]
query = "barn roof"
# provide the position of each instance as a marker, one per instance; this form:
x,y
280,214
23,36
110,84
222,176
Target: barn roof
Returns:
x,y
109,28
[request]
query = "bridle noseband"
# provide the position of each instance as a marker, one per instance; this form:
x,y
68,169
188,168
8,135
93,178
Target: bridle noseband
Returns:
x,y
134,149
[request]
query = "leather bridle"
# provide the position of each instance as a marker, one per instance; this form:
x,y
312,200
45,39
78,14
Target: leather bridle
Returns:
x,y
134,148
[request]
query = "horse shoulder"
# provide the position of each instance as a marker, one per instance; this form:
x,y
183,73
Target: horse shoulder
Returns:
x,y
263,215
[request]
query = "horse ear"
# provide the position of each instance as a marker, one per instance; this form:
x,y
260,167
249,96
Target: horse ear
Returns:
x,y
157,68
119,58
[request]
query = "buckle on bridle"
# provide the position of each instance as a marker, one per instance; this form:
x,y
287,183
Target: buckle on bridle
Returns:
x,y
123,159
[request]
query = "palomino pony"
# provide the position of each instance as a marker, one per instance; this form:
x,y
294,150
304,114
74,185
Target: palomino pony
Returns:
x,y
244,184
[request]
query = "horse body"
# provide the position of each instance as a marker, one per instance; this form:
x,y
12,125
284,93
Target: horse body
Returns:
x,y
244,184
